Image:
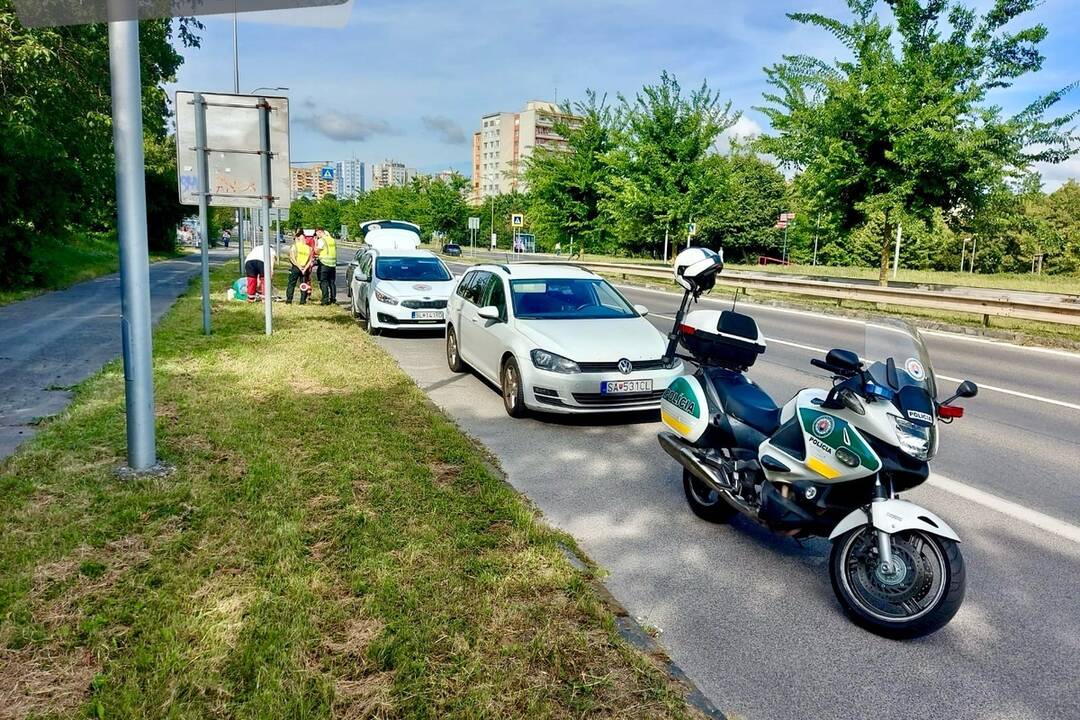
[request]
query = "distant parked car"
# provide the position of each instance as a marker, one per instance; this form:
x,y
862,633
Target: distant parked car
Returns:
x,y
452,249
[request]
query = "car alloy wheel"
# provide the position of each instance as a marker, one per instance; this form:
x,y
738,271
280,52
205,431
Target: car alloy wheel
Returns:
x,y
512,393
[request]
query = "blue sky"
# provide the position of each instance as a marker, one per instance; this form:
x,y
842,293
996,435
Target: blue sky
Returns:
x,y
409,79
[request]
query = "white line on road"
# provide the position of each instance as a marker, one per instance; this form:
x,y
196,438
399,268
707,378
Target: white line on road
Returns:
x,y
1051,525
982,386
855,321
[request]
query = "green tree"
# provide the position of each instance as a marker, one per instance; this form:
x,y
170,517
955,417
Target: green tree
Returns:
x,y
565,184
742,198
56,159
658,170
904,128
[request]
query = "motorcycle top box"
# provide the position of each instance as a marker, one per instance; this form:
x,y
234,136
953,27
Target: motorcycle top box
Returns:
x,y
721,337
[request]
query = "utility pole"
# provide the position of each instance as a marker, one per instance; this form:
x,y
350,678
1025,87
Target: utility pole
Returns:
x,y
266,190
136,337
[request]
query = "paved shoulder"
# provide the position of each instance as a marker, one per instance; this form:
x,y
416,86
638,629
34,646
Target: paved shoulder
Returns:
x,y
56,340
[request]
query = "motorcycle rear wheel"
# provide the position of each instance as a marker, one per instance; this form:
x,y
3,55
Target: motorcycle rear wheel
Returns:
x,y
705,502
919,598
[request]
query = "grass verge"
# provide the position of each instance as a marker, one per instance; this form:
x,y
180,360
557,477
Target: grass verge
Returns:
x,y
329,545
1068,284
61,262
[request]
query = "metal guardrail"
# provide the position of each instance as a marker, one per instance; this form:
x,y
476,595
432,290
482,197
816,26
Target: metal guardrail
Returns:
x,y
1061,313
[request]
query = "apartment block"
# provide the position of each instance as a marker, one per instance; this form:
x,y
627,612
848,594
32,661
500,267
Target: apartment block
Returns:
x,y
391,173
349,178
507,139
311,180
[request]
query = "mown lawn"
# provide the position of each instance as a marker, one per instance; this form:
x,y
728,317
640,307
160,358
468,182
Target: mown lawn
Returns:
x,y
60,262
329,545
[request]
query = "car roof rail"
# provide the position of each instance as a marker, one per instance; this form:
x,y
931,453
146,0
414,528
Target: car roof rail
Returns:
x,y
557,262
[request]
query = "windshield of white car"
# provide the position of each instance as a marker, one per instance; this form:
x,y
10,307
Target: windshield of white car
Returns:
x,y
568,299
411,269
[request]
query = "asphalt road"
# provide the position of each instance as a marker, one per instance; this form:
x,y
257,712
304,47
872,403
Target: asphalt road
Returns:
x,y
56,340
751,617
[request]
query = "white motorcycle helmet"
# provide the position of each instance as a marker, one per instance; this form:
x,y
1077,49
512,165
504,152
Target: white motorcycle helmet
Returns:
x,y
696,268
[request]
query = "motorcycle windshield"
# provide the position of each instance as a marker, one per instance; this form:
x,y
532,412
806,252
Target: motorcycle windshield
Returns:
x,y
897,359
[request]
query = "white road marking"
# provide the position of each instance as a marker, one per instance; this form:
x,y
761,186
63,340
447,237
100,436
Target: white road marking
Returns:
x,y
1052,525
855,321
1003,344
982,386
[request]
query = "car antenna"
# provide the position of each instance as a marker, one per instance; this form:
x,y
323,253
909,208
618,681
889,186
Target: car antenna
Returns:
x,y
734,299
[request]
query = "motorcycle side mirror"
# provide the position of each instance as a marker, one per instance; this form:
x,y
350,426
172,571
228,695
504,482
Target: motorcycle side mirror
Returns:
x,y
967,389
844,360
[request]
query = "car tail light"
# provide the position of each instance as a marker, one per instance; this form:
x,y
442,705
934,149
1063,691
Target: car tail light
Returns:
x,y
686,329
950,411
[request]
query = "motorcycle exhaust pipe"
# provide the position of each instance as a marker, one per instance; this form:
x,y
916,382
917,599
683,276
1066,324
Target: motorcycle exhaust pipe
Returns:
x,y
684,455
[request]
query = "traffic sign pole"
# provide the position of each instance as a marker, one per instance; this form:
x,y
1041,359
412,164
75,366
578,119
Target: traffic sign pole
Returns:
x,y
202,169
265,190
137,340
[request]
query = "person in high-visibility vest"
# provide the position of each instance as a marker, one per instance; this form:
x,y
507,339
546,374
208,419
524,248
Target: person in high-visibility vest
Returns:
x,y
326,254
301,259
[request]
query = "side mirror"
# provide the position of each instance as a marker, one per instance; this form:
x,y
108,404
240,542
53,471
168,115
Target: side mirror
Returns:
x,y
641,310
488,312
844,360
967,389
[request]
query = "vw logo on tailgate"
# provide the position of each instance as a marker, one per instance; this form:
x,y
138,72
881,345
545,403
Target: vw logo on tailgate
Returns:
x,y
625,366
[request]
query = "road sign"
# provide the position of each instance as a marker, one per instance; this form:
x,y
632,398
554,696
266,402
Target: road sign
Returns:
x,y
692,228
474,223
35,13
517,219
232,136
327,173
494,240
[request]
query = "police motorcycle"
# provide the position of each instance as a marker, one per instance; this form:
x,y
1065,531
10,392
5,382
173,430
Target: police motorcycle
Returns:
x,y
827,463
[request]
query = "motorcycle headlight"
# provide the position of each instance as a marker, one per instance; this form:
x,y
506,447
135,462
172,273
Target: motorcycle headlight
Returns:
x,y
384,298
555,363
915,440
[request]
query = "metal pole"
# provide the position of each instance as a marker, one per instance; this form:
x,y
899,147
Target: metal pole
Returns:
x,y
136,337
974,239
235,57
665,243
783,255
265,189
896,253
817,232
963,252
202,169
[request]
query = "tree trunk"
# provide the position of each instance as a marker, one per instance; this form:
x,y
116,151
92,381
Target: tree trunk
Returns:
x,y
886,246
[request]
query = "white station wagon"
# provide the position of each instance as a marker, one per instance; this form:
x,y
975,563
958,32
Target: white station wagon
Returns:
x,y
556,338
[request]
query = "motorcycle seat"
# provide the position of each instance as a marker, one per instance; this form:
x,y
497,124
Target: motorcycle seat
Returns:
x,y
744,400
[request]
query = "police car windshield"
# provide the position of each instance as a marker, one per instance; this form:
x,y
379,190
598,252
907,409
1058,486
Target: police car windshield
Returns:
x,y
568,299
411,269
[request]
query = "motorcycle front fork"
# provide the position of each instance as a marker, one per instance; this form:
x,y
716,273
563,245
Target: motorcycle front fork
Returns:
x,y
884,540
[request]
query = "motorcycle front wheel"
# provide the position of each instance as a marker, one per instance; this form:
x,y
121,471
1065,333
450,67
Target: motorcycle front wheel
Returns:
x,y
920,595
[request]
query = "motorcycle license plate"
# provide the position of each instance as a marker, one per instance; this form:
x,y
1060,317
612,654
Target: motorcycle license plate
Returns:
x,y
427,315
614,387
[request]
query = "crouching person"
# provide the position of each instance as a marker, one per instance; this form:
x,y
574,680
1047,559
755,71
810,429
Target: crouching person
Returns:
x,y
255,270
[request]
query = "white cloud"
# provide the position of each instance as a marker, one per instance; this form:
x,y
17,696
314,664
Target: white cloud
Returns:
x,y
445,129
1055,175
744,129
344,126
